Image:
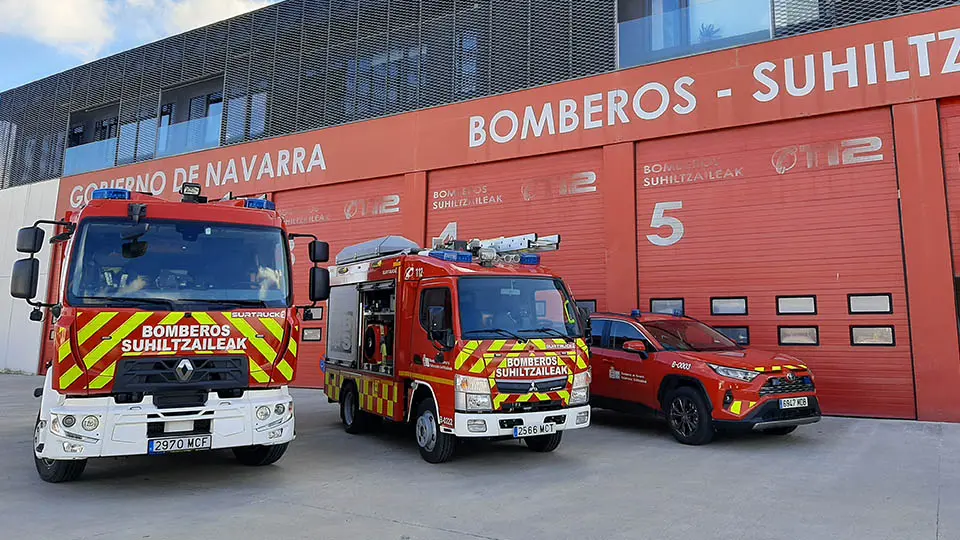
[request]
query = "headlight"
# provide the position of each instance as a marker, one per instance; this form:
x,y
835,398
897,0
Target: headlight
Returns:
x,y
280,409
580,396
90,423
734,373
263,412
478,402
582,379
472,385
69,421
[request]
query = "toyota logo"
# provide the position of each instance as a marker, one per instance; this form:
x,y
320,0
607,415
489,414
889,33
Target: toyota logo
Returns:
x,y
184,370
791,377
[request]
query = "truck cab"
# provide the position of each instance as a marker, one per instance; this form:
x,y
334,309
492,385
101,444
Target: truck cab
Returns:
x,y
465,340
174,327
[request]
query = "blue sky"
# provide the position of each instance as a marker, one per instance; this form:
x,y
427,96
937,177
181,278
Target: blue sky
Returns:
x,y
43,37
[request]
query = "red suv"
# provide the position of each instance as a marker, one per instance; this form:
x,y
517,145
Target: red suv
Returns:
x,y
696,377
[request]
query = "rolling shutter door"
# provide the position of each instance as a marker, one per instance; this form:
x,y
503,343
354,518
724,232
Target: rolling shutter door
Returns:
x,y
341,214
556,194
806,208
950,132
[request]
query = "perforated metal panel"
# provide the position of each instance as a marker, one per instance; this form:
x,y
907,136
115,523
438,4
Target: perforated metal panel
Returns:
x,y
306,64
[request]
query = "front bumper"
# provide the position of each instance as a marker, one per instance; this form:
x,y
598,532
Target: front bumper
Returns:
x,y
769,415
502,424
125,429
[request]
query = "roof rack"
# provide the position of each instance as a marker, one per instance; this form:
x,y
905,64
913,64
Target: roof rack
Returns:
x,y
376,249
509,245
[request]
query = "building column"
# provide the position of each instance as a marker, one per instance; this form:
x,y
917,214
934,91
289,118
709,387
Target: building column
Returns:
x,y
618,186
929,266
415,206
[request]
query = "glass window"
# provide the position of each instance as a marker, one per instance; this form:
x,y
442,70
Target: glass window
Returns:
x,y
589,305
236,118
621,332
258,115
667,306
496,308
796,305
861,304
439,297
877,336
799,335
688,335
597,328
171,263
738,334
728,306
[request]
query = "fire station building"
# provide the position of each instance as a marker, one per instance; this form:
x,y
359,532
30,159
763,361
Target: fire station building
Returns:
x,y
787,171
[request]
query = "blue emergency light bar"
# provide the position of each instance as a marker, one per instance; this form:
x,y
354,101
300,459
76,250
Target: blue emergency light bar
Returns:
x,y
452,256
111,194
530,259
260,204
635,313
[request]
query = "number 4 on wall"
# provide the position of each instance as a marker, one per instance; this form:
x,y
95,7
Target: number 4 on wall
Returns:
x,y
659,220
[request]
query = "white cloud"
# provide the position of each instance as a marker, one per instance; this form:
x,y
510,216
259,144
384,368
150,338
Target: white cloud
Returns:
x,y
81,28
182,15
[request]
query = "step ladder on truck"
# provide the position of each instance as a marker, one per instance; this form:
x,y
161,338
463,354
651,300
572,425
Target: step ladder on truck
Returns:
x,y
466,339
174,329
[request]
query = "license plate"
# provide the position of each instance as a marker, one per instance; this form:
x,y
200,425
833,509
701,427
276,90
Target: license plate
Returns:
x,y
179,444
793,402
534,430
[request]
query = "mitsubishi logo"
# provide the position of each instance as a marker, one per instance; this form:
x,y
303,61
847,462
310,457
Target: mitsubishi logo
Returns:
x,y
184,370
533,388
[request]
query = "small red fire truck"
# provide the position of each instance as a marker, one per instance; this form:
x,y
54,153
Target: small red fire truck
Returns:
x,y
467,339
174,329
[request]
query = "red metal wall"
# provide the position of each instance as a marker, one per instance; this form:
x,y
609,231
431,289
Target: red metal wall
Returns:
x,y
341,214
950,135
555,194
761,221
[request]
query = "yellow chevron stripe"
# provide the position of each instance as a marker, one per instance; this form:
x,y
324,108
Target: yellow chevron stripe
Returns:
x,y
498,400
540,344
558,341
735,407
173,318
518,346
284,368
524,398
116,337
248,332
479,366
760,369
70,376
204,319
257,373
64,351
94,326
104,378
564,395
292,347
466,353
498,345
273,327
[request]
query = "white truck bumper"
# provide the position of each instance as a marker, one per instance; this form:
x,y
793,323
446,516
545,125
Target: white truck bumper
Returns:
x,y
126,429
501,425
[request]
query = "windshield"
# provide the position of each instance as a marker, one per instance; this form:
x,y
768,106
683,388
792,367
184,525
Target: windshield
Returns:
x,y
688,335
171,263
504,308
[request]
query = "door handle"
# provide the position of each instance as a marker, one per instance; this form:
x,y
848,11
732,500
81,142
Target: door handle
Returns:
x,y
417,359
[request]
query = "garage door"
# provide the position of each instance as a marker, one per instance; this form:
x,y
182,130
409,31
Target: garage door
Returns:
x,y
950,133
788,237
341,214
555,194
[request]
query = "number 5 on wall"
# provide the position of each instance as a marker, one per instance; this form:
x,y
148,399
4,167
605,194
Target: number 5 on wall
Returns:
x,y
659,220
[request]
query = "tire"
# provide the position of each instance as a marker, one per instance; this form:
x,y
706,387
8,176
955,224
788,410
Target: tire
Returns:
x,y
544,443
435,446
781,431
56,471
354,420
259,456
689,417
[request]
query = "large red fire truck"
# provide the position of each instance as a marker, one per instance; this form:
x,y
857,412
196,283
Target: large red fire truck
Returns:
x,y
467,339
174,329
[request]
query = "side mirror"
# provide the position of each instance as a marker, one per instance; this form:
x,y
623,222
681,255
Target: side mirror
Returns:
x,y
30,240
319,284
640,347
587,323
319,252
25,278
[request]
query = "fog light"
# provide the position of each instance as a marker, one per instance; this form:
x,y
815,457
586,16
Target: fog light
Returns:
x,y
280,409
727,398
275,434
72,448
69,421
263,412
477,426
583,417
90,423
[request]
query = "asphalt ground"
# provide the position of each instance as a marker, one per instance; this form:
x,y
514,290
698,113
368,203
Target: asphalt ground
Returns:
x,y
622,478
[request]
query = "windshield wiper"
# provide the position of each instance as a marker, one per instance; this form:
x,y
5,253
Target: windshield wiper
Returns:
x,y
105,300
232,303
545,330
500,331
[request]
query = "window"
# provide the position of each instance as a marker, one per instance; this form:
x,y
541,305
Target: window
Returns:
x,y
246,117
76,136
866,304
796,305
589,305
728,306
872,336
667,306
166,114
105,129
258,115
439,297
312,334
799,335
738,334
597,328
621,332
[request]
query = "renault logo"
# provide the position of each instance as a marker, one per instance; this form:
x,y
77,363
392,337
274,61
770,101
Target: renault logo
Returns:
x,y
184,370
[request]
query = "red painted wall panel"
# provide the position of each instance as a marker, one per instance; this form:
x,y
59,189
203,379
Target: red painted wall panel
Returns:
x,y
556,194
784,209
950,135
342,214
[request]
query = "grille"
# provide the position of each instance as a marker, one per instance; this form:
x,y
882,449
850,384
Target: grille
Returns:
x,y
523,387
155,375
531,407
779,385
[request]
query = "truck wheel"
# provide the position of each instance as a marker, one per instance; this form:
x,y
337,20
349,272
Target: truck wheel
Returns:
x,y
259,455
56,470
780,431
435,446
688,416
354,420
544,443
